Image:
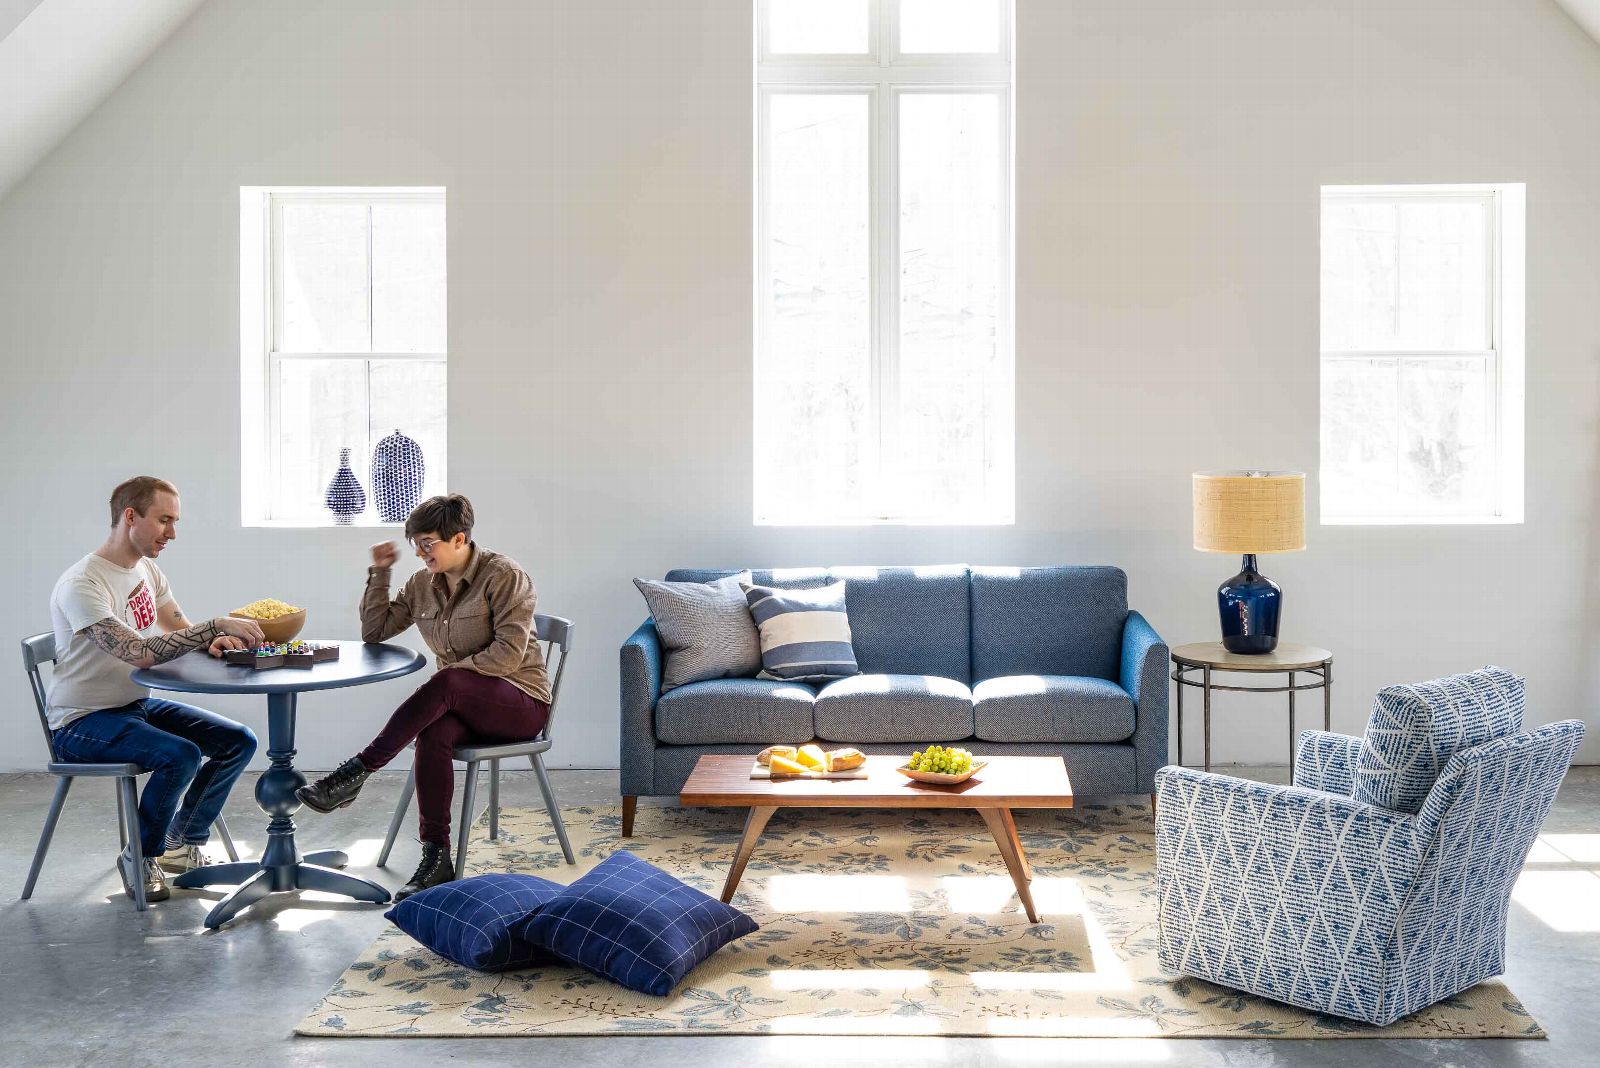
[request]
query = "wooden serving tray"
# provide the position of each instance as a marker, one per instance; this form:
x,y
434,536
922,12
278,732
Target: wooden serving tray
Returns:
x,y
759,770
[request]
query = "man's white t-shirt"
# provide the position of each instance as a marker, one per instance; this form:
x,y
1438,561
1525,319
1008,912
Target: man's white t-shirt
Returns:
x,y
86,677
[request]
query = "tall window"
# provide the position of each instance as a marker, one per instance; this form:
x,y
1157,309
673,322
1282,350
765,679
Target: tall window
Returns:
x,y
883,368
1422,371
342,317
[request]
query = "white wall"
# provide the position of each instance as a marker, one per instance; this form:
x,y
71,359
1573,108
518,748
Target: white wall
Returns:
x,y
597,157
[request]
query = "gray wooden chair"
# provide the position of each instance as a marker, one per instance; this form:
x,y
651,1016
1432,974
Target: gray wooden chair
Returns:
x,y
556,633
41,649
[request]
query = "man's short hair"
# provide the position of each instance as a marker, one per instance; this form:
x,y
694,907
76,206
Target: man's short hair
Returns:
x,y
444,516
139,494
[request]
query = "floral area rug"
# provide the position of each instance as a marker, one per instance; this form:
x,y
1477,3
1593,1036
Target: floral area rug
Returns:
x,y
872,923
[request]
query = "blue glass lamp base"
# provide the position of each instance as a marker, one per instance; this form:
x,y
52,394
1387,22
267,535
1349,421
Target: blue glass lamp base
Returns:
x,y
1250,605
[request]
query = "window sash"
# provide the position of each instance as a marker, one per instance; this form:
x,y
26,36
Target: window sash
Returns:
x,y
274,507
1504,453
885,78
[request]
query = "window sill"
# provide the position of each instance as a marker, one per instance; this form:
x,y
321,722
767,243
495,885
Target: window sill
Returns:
x,y
1422,521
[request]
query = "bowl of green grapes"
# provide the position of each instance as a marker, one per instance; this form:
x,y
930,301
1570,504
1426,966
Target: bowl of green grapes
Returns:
x,y
941,766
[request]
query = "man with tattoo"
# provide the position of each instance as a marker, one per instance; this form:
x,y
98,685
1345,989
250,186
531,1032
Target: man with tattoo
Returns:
x,y
112,611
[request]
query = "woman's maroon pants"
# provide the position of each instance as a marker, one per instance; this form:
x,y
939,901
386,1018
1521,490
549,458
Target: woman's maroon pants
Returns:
x,y
456,706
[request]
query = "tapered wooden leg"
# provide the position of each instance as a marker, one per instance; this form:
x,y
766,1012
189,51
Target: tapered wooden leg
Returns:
x,y
1004,831
1016,843
754,823
630,805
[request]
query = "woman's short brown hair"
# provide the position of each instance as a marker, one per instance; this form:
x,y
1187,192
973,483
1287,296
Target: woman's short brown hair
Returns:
x,y
139,493
444,516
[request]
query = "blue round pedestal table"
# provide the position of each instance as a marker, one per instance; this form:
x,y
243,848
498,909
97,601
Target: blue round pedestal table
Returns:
x,y
281,867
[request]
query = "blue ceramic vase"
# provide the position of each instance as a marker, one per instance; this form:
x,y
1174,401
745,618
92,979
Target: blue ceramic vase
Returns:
x,y
346,499
1250,605
397,474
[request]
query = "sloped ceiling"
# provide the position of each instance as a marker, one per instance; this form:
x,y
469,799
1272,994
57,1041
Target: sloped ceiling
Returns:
x,y
60,58
1586,13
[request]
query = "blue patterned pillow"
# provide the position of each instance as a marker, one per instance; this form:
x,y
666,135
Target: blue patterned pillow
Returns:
x,y
805,634
1415,730
632,923
470,921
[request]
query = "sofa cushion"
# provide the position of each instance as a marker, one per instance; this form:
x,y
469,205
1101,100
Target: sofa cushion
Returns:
x,y
894,708
909,620
1048,621
705,628
1415,730
1051,708
735,710
805,634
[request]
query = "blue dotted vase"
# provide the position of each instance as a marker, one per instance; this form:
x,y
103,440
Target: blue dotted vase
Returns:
x,y
397,471
346,499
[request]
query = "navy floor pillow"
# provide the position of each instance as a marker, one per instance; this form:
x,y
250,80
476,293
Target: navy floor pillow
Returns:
x,y
470,921
632,923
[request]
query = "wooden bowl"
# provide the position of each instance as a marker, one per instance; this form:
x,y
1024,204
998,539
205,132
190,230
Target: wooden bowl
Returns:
x,y
940,778
282,629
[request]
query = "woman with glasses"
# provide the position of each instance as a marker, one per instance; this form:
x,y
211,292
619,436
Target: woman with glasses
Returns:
x,y
475,611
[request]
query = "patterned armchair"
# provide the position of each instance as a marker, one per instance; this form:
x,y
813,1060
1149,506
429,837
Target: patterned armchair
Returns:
x,y
1379,883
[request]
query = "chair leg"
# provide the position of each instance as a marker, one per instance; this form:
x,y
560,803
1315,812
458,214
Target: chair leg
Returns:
x,y
629,806
399,816
227,839
122,821
469,804
537,760
127,791
494,800
49,831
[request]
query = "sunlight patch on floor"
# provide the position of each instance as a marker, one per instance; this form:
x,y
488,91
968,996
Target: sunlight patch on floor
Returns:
x,y
1576,848
1561,900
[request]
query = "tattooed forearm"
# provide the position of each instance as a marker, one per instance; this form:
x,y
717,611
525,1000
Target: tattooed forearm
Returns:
x,y
125,644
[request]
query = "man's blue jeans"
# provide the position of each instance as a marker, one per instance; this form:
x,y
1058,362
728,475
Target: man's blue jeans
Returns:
x,y
171,740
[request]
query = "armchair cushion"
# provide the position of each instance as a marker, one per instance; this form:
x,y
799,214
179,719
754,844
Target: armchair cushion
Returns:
x,y
1327,762
757,711
894,708
1051,708
1416,729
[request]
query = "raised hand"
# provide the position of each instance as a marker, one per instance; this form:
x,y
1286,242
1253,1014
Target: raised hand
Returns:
x,y
385,554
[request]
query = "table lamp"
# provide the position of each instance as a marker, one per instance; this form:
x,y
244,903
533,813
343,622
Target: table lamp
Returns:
x,y
1249,512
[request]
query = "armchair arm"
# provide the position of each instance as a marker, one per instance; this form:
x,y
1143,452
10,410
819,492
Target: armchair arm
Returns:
x,y
1327,762
1144,676
1286,892
640,666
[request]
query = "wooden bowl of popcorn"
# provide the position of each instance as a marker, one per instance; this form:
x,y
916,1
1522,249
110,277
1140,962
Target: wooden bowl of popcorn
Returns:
x,y
279,622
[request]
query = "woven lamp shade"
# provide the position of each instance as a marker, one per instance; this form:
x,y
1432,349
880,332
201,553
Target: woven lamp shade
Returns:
x,y
1249,511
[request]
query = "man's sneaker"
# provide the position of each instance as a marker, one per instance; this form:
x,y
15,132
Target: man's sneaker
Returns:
x,y
182,858
434,869
336,789
155,880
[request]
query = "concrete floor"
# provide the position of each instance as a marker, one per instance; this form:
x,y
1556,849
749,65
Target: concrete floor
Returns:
x,y
84,980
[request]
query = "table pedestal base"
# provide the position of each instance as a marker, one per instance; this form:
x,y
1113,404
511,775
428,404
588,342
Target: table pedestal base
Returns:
x,y
256,879
281,867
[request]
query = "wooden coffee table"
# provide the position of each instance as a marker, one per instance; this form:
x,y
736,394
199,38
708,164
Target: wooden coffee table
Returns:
x,y
1008,782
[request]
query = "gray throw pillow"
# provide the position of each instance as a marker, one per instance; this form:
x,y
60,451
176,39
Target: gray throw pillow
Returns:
x,y
705,628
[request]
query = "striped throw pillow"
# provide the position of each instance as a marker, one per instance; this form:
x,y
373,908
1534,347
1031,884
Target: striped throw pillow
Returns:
x,y
805,634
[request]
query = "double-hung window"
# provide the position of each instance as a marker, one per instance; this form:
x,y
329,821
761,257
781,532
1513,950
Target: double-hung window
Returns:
x,y
1422,364
342,325
883,366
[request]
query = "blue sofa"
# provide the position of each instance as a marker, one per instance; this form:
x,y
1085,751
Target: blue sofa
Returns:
x,y
1026,661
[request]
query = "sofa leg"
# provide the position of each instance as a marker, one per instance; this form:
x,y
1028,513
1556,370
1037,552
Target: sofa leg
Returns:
x,y
1152,806
629,806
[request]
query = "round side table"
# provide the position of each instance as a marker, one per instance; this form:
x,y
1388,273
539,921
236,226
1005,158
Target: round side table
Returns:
x,y
1208,658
